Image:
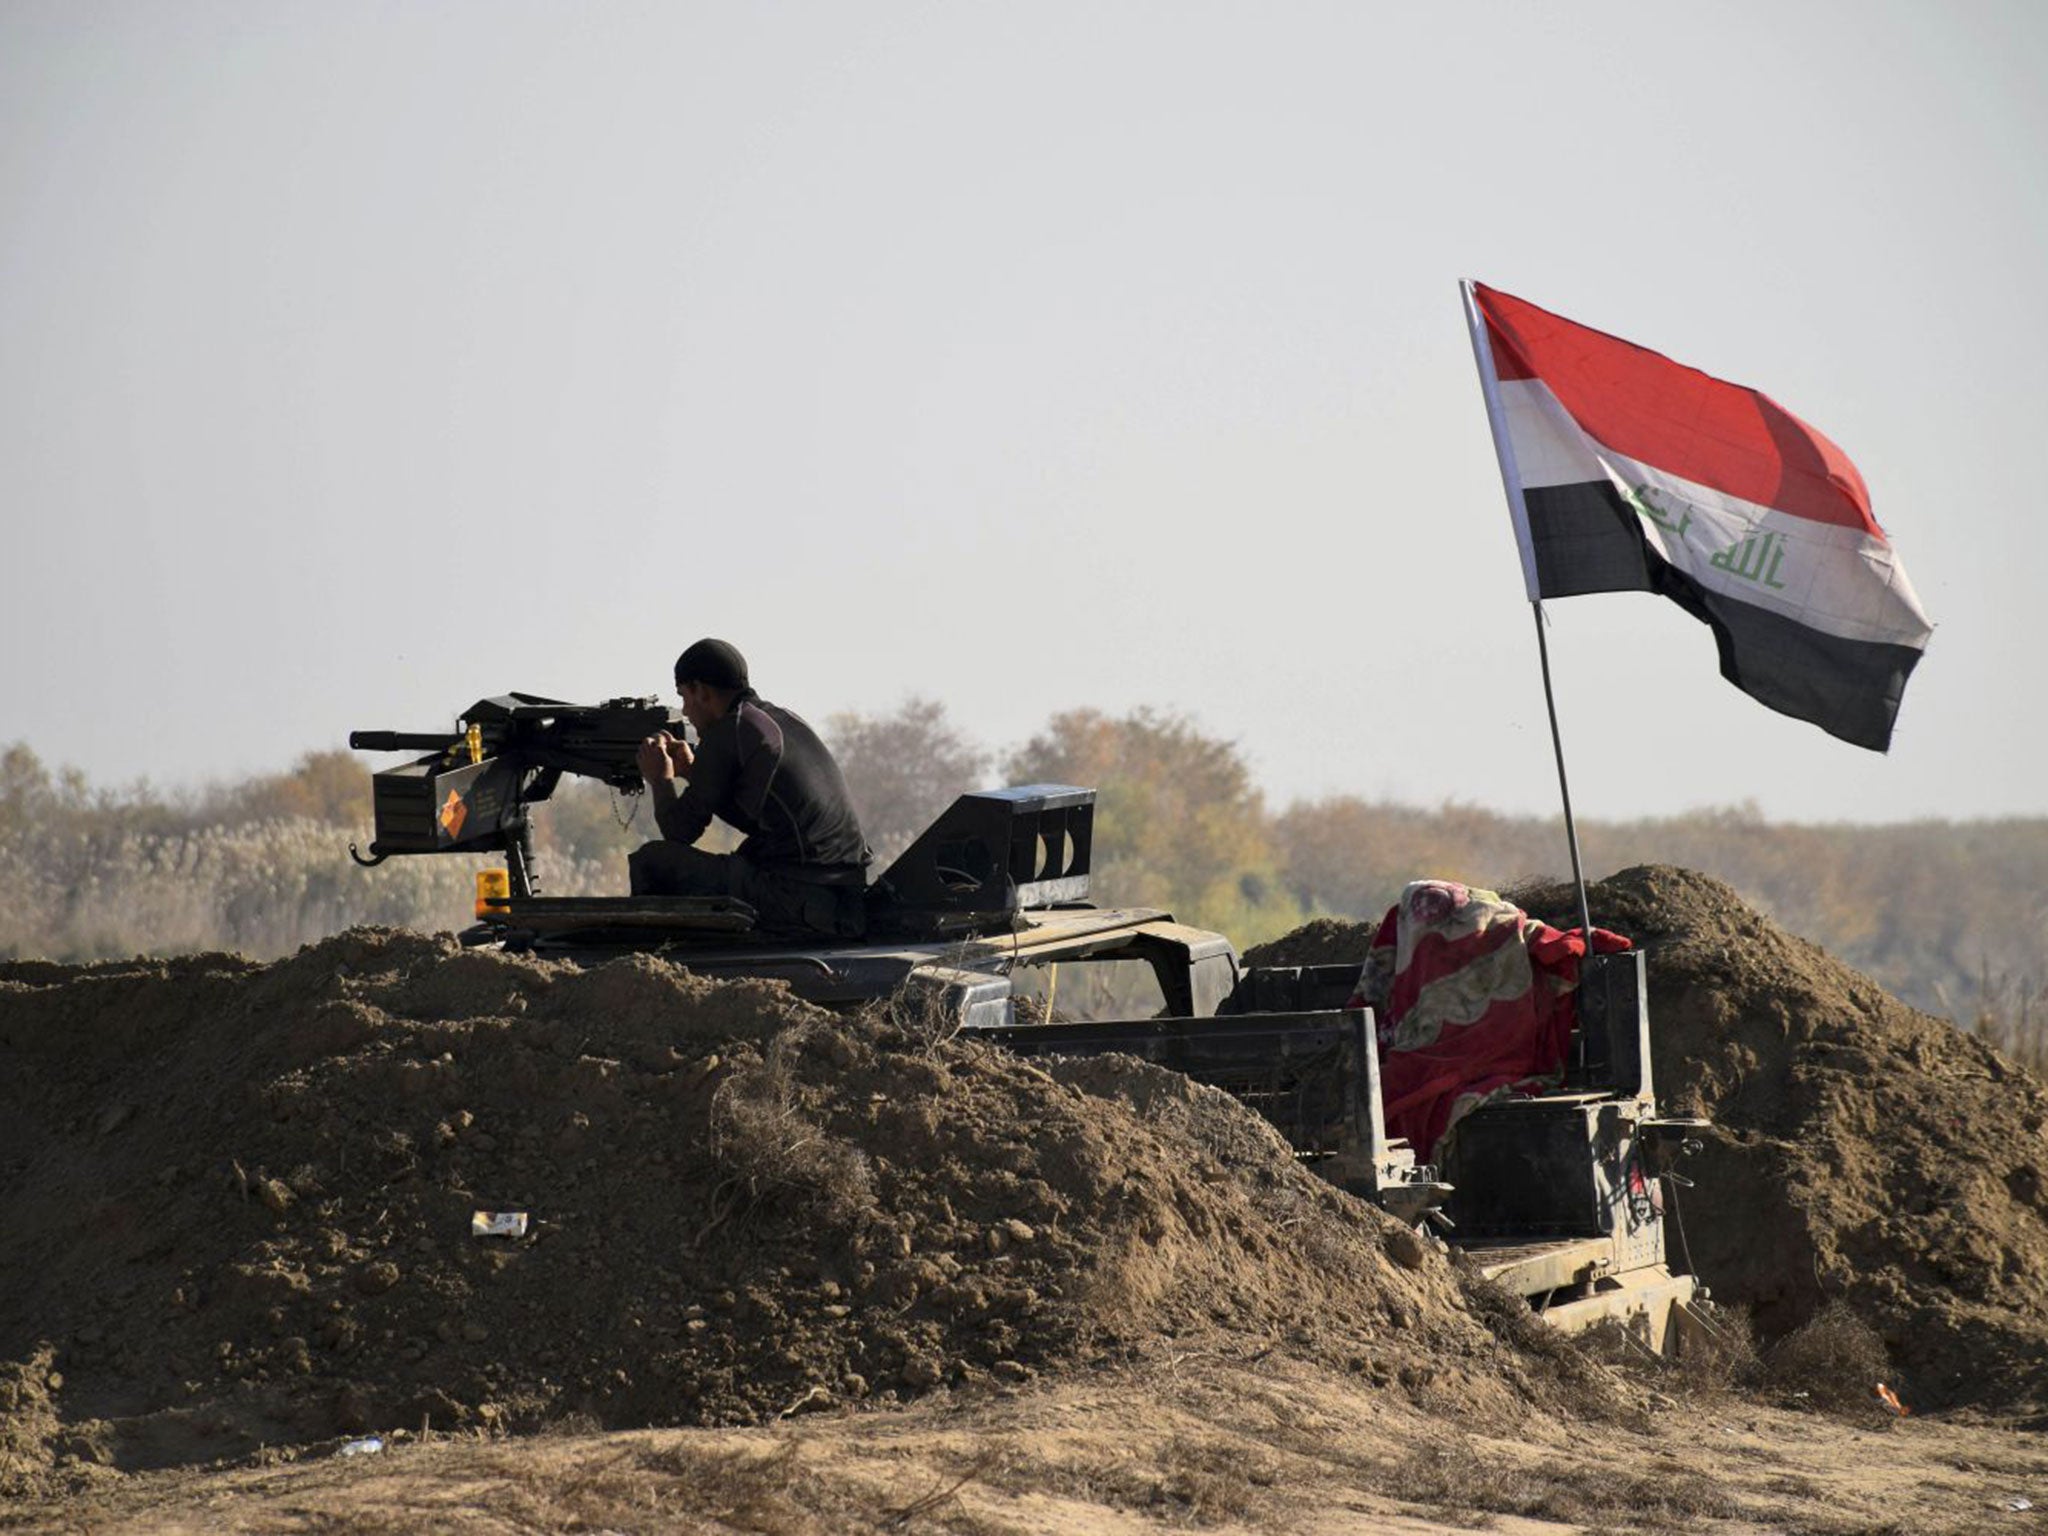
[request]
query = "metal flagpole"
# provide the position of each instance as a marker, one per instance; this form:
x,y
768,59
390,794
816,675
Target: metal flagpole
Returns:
x,y
1511,482
1564,789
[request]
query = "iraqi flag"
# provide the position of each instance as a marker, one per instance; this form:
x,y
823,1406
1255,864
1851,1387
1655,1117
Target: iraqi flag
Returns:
x,y
1627,472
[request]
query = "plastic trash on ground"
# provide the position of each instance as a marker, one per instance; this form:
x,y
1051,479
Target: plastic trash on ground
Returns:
x,y
497,1224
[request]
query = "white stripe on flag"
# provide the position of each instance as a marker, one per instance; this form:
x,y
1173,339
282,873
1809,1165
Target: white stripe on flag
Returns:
x,y
1753,554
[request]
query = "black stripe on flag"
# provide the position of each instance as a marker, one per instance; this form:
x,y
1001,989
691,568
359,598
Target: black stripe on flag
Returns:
x,y
1587,539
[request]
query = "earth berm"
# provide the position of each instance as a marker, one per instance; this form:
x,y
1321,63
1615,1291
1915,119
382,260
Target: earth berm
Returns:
x,y
239,1197
1862,1152
239,1206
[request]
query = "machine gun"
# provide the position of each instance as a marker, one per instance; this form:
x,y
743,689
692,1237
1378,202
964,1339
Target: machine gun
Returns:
x,y
472,791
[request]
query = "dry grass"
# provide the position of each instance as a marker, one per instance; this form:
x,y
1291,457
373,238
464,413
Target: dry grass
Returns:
x,y
261,890
770,1490
644,1487
1464,1476
1187,1480
1205,1483
2011,1012
672,1487
2033,1466
769,1148
1833,1361
923,1013
1719,1354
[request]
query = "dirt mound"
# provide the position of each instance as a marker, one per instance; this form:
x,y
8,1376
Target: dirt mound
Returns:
x,y
1863,1151
239,1198
1319,941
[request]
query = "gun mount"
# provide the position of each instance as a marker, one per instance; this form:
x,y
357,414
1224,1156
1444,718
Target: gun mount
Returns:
x,y
472,791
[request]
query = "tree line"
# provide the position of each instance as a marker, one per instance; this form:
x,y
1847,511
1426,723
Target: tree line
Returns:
x,y
1950,916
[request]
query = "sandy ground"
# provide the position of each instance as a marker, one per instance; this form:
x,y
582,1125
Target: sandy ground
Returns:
x,y
1269,1445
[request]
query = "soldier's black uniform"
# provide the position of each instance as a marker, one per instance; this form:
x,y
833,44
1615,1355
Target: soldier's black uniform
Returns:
x,y
763,771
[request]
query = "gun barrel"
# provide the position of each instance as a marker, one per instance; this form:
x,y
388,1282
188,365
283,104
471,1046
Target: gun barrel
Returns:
x,y
402,741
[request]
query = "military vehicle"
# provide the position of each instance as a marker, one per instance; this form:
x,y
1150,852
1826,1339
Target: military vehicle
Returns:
x,y
984,925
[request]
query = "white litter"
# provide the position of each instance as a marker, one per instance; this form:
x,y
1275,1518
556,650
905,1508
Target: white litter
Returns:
x,y
497,1224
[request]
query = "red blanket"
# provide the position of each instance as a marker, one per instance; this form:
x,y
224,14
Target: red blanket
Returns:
x,y
1474,1000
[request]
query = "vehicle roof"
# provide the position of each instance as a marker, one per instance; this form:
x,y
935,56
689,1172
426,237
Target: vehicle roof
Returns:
x,y
851,970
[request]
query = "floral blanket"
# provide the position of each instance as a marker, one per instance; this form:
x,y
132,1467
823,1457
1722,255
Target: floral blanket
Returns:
x,y
1474,1000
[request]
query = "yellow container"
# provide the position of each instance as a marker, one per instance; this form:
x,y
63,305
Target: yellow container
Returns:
x,y
493,891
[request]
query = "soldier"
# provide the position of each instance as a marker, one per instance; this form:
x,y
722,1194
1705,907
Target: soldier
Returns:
x,y
762,770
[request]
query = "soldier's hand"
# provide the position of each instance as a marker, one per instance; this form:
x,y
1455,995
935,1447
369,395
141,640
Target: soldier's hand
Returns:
x,y
680,755
653,759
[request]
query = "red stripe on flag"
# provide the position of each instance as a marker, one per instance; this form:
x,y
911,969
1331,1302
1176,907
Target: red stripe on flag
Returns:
x,y
1677,419
1507,363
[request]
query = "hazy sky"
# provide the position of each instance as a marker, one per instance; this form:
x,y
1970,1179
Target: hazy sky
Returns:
x,y
358,361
